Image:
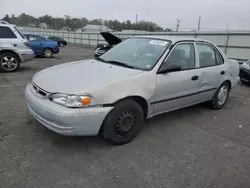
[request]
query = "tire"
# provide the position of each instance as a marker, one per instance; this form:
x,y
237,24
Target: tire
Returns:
x,y
115,130
61,44
217,102
9,62
48,53
244,82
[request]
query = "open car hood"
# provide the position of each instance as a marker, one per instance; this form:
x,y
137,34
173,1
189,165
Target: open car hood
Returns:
x,y
110,38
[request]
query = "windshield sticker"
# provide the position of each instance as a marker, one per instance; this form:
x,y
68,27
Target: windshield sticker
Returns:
x,y
158,42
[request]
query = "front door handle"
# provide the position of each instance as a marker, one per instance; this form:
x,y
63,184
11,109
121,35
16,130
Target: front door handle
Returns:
x,y
222,72
195,77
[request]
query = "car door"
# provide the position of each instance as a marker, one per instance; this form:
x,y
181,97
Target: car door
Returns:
x,y
36,43
179,88
8,38
212,69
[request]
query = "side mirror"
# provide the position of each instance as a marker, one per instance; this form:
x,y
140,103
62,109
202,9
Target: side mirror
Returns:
x,y
169,68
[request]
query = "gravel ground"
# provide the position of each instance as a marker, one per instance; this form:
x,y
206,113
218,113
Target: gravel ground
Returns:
x,y
195,147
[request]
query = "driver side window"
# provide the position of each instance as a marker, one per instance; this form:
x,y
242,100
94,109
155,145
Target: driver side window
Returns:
x,y
183,55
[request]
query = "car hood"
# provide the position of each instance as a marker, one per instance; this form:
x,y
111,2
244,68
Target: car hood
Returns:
x,y
81,77
110,38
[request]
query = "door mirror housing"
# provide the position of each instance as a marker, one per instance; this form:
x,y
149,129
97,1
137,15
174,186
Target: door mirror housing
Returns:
x,y
169,68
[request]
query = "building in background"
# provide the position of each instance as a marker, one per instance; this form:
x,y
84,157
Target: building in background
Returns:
x,y
43,25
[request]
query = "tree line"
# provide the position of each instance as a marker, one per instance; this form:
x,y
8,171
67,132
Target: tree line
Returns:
x,y
75,23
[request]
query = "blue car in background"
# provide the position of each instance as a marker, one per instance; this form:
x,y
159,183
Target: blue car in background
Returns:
x,y
42,46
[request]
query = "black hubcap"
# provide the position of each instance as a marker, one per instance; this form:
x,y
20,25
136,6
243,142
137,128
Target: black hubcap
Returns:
x,y
125,123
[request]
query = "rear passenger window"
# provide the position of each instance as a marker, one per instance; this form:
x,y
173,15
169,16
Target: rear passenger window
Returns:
x,y
6,32
206,55
219,59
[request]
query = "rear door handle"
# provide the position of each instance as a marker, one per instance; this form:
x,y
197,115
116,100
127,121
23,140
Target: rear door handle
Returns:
x,y
222,72
195,78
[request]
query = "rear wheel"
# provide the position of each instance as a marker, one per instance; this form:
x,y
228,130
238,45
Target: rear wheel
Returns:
x,y
221,96
123,123
48,53
61,44
9,62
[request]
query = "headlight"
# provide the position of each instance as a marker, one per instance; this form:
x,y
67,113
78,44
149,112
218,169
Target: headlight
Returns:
x,y
71,101
246,65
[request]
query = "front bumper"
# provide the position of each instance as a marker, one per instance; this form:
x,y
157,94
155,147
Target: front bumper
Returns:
x,y
27,56
244,74
63,120
56,50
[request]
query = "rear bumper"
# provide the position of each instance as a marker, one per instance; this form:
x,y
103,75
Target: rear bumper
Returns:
x,y
244,74
26,56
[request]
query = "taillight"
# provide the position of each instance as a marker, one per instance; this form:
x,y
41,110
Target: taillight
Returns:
x,y
26,43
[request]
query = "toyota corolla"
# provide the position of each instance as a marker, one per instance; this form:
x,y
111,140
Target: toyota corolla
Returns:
x,y
137,79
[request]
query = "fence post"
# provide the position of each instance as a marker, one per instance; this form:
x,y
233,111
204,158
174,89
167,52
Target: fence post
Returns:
x,y
68,36
75,37
89,39
97,37
226,45
81,39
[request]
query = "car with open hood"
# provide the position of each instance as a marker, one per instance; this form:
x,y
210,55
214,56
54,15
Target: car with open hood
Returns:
x,y
111,40
137,79
245,72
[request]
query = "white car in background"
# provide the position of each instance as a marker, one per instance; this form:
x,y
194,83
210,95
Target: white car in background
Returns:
x,y
3,22
14,48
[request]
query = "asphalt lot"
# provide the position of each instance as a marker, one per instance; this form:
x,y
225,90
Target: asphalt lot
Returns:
x,y
195,147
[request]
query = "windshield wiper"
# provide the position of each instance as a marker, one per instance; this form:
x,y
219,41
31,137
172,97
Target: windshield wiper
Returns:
x,y
120,64
101,59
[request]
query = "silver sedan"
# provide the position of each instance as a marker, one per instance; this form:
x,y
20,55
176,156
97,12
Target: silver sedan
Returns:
x,y
139,78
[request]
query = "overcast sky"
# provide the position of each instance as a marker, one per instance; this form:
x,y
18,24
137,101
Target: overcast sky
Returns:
x,y
214,13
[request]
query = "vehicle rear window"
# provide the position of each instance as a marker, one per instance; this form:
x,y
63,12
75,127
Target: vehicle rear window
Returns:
x,y
19,33
6,32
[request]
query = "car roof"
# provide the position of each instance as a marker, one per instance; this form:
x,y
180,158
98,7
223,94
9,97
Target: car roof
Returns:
x,y
26,34
174,39
7,25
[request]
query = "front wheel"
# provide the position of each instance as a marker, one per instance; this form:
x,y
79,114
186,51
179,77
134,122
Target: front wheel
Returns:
x,y
221,96
9,62
123,123
48,53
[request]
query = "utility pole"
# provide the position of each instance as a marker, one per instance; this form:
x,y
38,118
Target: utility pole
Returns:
x,y
199,23
227,28
136,20
178,25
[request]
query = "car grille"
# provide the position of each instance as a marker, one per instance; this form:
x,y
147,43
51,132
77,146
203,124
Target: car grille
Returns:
x,y
244,74
39,90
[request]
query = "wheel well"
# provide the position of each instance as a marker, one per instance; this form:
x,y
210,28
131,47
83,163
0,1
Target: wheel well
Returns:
x,y
229,83
48,48
10,52
141,101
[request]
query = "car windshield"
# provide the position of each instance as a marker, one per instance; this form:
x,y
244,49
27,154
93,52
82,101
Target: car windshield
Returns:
x,y
138,53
